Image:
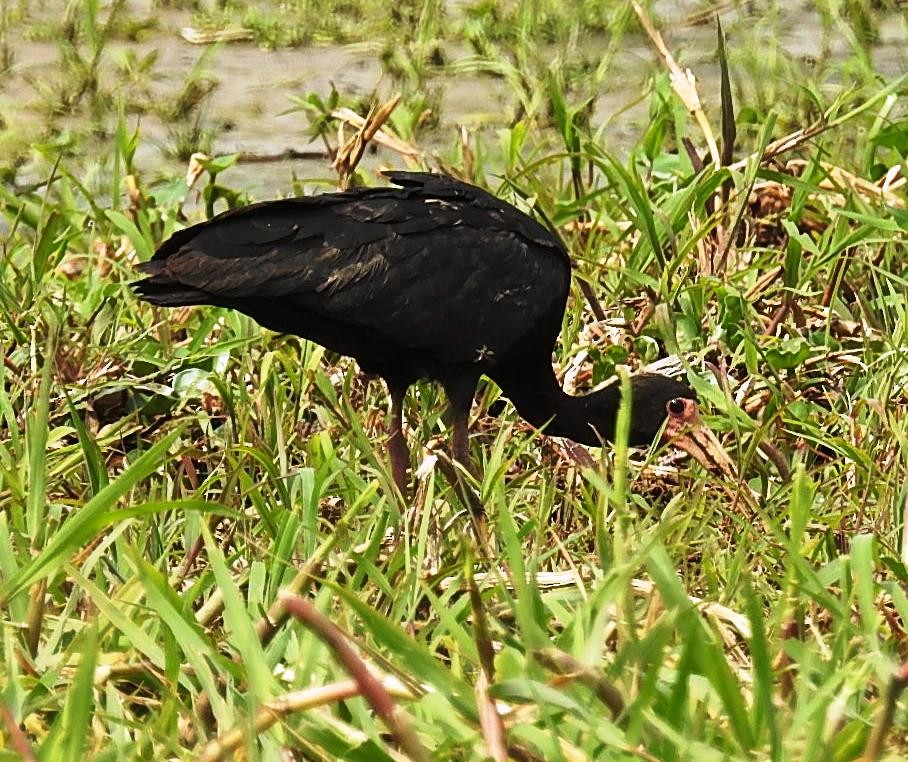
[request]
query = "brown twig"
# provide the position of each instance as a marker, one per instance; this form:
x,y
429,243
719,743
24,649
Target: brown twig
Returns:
x,y
369,686
270,713
595,305
695,160
12,367
788,143
755,291
779,316
277,613
897,683
378,135
643,317
778,460
564,664
18,740
466,152
312,154
782,663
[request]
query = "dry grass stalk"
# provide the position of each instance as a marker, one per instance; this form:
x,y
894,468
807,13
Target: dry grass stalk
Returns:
x,y
195,36
839,178
351,150
195,168
272,712
641,587
683,82
788,143
380,136
490,721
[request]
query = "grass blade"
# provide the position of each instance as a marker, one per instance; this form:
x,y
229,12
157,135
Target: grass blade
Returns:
x,y
81,528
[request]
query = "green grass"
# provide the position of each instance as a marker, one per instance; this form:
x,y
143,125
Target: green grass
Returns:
x,y
164,475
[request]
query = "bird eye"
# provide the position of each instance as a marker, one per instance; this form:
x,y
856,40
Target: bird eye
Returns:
x,y
676,406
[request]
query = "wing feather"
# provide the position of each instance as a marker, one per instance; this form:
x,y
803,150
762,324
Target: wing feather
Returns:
x,y
436,265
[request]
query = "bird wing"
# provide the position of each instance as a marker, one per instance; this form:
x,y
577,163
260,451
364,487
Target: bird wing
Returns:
x,y
437,265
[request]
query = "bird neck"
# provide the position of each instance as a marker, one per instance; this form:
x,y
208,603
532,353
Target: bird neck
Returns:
x,y
542,402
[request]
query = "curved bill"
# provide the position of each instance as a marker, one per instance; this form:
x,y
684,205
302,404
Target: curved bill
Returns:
x,y
686,431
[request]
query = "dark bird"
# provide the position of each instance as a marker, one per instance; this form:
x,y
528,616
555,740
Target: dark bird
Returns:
x,y
433,279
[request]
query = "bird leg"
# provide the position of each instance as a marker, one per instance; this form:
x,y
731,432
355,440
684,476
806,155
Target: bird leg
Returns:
x,y
397,443
460,398
460,419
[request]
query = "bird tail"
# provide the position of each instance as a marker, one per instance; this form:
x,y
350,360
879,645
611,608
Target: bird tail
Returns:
x,y
163,290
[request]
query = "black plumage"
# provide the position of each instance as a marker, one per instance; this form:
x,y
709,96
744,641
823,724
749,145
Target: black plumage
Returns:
x,y
433,279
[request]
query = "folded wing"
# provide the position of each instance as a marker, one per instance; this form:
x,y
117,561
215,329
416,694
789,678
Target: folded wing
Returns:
x,y
437,265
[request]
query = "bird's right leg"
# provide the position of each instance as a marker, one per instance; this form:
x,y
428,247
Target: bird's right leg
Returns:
x,y
397,443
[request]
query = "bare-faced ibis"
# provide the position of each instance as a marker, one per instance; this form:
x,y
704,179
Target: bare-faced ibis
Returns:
x,y
433,279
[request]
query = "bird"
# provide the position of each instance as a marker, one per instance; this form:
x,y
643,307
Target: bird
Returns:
x,y
429,278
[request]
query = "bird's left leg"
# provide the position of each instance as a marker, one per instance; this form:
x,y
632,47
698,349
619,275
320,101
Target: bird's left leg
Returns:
x,y
397,443
460,398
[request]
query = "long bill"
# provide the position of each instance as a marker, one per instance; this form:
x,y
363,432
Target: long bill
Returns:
x,y
687,432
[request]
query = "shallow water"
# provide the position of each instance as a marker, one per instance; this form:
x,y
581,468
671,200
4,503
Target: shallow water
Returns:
x,y
254,86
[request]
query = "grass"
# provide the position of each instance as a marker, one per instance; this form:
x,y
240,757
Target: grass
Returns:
x,y
164,476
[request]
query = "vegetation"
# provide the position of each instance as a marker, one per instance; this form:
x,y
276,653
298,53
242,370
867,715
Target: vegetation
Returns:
x,y
164,476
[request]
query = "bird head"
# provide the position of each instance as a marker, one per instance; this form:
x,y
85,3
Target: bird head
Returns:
x,y
658,401
653,399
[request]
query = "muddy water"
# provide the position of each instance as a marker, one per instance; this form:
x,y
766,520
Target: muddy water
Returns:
x,y
247,107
